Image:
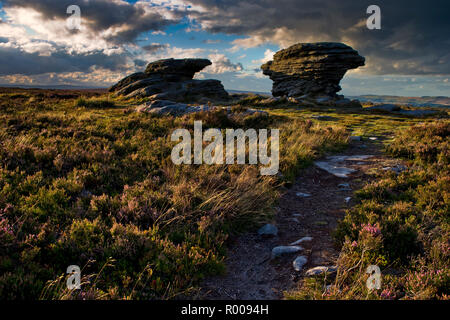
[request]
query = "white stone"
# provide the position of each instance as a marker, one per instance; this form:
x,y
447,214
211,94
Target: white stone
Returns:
x,y
359,157
281,250
299,262
320,270
300,241
331,167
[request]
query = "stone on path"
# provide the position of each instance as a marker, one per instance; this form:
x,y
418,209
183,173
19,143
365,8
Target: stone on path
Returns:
x,y
320,270
359,157
299,262
268,230
301,240
302,194
332,164
331,167
281,250
344,186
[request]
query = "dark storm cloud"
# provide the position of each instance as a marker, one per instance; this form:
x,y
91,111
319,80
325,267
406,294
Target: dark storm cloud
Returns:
x,y
139,63
154,47
414,38
103,14
16,61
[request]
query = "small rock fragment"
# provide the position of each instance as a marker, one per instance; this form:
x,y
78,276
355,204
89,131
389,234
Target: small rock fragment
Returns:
x,y
320,270
331,167
304,195
281,250
300,241
268,230
299,262
360,157
344,186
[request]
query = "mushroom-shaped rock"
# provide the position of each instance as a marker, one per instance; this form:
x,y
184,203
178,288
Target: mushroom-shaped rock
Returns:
x,y
311,69
172,79
186,68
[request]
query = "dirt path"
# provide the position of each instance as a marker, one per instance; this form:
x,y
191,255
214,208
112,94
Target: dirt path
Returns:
x,y
251,274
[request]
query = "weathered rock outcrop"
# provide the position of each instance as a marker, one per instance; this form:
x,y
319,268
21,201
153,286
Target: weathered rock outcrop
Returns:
x,y
172,79
166,107
311,70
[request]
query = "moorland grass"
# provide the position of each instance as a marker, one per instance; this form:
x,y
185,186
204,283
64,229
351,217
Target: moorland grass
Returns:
x,y
87,181
401,224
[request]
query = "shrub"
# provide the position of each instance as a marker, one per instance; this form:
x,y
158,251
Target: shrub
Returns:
x,y
94,103
400,224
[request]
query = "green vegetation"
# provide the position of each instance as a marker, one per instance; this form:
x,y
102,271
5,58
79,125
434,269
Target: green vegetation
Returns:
x,y
401,224
86,181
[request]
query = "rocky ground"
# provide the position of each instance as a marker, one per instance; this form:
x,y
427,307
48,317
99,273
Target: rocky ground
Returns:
x,y
307,215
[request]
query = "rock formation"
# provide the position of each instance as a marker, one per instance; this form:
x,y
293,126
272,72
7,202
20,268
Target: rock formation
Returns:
x,y
166,107
171,79
311,70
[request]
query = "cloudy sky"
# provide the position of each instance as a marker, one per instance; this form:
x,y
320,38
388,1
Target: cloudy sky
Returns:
x,y
409,56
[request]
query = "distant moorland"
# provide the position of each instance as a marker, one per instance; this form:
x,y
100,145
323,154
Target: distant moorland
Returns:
x,y
425,101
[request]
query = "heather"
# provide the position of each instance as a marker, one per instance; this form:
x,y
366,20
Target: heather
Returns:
x,y
85,180
401,224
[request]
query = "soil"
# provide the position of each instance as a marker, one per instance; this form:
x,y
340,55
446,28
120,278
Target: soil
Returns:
x,y
252,274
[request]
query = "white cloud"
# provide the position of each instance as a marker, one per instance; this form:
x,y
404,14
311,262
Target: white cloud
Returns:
x,y
268,55
221,64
